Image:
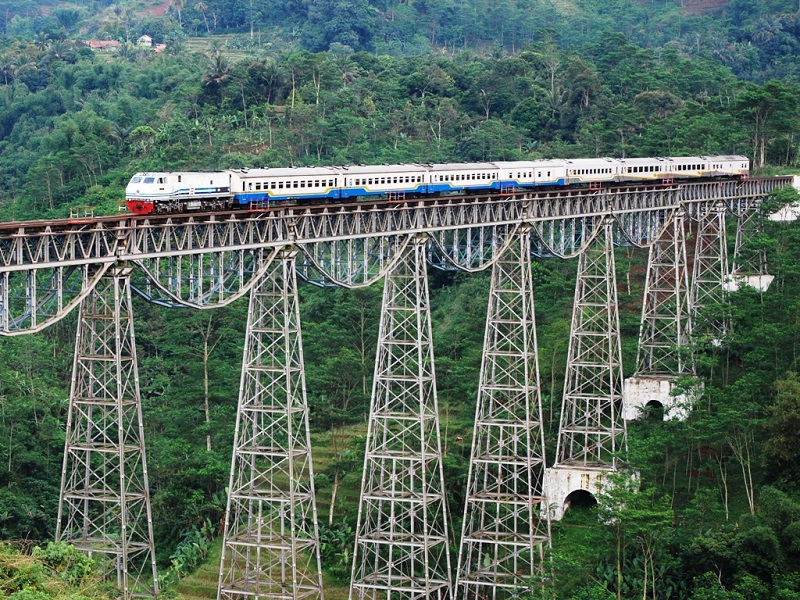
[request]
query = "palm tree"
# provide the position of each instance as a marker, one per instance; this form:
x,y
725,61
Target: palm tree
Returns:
x,y
8,67
218,72
42,41
178,6
202,7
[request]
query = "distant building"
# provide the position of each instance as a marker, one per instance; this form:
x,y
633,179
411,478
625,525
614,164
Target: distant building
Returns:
x,y
103,45
145,41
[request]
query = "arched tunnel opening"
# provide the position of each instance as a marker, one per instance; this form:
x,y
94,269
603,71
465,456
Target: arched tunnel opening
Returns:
x,y
654,411
579,502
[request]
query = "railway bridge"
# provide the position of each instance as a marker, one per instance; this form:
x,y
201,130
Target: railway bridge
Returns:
x,y
271,543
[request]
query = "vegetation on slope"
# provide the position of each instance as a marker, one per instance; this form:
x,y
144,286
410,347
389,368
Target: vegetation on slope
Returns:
x,y
718,513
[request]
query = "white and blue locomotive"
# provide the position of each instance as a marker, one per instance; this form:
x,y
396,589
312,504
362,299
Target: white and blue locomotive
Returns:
x,y
248,188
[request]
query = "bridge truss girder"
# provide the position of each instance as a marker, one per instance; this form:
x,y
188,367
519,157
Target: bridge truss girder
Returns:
x,y
206,260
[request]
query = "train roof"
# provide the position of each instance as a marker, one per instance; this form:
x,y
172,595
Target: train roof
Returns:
x,y
286,172
367,169
594,161
527,164
726,157
461,166
168,173
704,157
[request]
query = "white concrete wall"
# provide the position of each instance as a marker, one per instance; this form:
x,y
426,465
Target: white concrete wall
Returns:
x,y
638,392
561,481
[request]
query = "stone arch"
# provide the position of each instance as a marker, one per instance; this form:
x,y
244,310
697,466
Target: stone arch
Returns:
x,y
579,498
565,482
641,392
654,410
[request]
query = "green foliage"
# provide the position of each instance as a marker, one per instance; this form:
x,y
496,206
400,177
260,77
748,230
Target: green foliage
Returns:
x,y
717,514
57,571
191,551
335,546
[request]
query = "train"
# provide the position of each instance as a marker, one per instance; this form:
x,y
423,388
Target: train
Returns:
x,y
171,192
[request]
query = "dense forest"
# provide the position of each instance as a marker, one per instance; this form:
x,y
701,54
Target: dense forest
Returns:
x,y
245,84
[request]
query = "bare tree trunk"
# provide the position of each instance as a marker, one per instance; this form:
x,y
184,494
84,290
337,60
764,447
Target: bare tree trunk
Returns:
x,y
208,349
333,497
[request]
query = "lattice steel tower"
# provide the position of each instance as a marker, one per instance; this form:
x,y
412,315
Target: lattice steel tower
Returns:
x,y
666,323
749,257
271,544
401,548
104,507
592,430
505,532
710,275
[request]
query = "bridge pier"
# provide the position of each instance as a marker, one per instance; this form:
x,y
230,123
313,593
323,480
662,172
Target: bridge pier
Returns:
x,y
271,543
104,504
749,262
710,314
401,546
592,431
505,531
664,352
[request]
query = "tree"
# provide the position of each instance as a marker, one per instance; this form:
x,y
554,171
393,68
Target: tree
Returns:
x,y
771,109
202,7
178,6
783,428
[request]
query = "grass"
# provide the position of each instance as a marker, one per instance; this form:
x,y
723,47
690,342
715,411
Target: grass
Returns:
x,y
202,584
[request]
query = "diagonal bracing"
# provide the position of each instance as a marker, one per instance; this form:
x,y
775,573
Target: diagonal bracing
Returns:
x,y
666,323
505,532
710,275
592,430
104,507
271,544
401,547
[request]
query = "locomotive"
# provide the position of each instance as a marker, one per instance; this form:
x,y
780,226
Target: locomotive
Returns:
x,y
161,193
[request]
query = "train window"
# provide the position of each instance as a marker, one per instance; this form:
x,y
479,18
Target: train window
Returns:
x,y
258,185
179,178
149,179
294,184
548,173
136,180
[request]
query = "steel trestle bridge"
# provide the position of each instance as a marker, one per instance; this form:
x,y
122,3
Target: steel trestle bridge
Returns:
x,y
402,545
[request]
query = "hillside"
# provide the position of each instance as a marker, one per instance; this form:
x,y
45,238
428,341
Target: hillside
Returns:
x,y
422,81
